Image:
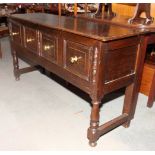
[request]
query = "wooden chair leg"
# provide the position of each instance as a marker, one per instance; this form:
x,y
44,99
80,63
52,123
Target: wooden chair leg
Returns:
x,y
151,97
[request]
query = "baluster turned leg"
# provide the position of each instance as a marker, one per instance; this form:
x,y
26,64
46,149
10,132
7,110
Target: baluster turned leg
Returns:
x,y
93,135
16,65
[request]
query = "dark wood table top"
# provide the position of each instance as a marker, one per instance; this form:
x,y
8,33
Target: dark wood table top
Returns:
x,y
97,30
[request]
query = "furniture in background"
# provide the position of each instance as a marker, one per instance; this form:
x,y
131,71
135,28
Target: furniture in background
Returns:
x,y
3,20
3,33
4,12
128,9
105,9
66,9
148,83
142,8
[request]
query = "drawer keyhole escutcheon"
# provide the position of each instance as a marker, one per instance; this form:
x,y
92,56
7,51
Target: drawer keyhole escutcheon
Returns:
x,y
75,59
29,40
47,47
15,33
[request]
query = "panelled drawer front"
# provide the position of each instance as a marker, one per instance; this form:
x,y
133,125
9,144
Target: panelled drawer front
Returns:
x,y
49,47
31,39
77,59
16,32
120,63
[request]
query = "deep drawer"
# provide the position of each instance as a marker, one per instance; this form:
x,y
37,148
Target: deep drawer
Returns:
x,y
49,47
31,39
77,58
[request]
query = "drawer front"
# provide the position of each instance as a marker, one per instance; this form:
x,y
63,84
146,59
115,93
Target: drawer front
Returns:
x,y
77,59
31,39
15,31
49,47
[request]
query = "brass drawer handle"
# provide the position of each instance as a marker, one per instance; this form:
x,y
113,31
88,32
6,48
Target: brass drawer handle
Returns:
x,y
47,47
29,40
74,59
15,33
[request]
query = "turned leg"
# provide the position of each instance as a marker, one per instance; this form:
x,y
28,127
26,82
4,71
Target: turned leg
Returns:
x,y
15,65
93,134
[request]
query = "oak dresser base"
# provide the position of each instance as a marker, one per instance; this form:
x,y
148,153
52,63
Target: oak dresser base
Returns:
x,y
90,58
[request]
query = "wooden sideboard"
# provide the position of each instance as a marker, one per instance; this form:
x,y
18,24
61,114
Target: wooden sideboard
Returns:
x,y
96,57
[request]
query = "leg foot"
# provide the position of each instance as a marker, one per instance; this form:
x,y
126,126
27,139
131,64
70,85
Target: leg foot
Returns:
x,y
127,124
17,78
93,133
92,144
16,74
150,105
151,97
